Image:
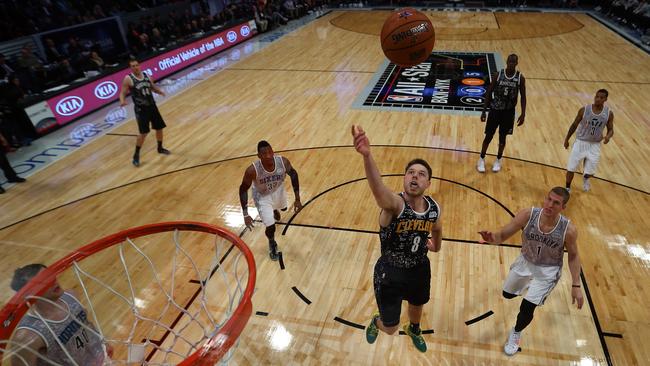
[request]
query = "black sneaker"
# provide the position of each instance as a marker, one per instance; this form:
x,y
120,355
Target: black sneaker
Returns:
x,y
2,190
273,250
17,179
163,151
276,215
136,161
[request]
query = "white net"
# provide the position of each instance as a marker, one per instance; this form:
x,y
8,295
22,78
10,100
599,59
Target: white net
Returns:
x,y
153,300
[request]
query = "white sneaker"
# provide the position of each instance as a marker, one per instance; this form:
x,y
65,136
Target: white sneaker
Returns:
x,y
497,165
586,184
480,166
512,344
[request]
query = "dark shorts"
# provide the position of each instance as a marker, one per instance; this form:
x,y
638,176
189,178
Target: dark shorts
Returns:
x,y
144,115
503,119
392,285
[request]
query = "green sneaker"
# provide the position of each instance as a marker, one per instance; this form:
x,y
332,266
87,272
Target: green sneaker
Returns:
x,y
371,330
418,340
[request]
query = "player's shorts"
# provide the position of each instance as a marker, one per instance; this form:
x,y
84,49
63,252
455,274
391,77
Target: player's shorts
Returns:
x,y
540,280
392,285
503,119
147,114
267,203
587,150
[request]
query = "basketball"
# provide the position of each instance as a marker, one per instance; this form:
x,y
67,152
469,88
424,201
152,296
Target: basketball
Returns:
x,y
407,37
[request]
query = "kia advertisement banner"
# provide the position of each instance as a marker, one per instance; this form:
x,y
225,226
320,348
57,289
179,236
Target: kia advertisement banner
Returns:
x,y
89,97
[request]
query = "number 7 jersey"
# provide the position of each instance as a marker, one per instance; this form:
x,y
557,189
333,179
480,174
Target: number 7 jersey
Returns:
x,y
540,248
404,240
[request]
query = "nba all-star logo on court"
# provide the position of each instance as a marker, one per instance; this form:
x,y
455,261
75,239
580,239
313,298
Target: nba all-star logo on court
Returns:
x,y
445,81
69,106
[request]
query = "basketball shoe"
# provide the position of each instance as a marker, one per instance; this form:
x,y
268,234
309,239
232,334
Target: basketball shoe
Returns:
x,y
512,344
371,330
497,165
418,340
586,184
480,166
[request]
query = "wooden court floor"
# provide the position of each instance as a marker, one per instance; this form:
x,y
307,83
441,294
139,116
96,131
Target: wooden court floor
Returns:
x,y
297,93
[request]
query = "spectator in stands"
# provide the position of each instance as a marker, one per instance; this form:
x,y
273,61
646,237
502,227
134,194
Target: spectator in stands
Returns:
x,y
20,129
31,68
5,69
9,172
52,53
157,40
95,62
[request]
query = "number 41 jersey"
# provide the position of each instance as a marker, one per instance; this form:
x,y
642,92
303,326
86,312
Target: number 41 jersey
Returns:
x,y
404,240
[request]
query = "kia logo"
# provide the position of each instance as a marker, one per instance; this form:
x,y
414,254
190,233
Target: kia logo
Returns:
x,y
245,31
105,90
69,105
231,36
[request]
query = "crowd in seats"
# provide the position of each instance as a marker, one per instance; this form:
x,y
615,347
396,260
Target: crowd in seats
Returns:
x,y
632,13
25,17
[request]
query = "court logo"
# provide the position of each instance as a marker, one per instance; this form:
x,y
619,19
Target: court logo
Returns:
x,y
245,31
404,98
106,90
231,36
69,106
115,115
444,82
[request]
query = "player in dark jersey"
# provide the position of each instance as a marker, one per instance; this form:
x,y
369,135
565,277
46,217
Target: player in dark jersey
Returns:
x,y
406,221
141,86
501,97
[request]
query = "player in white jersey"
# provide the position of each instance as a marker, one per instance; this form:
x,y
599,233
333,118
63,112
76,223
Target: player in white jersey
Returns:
x,y
590,123
56,329
267,175
545,234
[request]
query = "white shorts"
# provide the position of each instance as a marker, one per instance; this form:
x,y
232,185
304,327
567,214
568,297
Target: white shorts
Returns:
x,y
540,280
267,203
589,151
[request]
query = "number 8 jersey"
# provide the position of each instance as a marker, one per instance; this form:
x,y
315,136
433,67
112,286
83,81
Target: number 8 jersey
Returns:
x,y
540,248
404,240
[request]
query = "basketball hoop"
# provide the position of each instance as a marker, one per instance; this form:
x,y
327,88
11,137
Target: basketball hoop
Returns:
x,y
204,329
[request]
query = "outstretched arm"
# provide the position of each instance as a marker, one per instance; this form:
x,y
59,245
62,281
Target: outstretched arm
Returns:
x,y
573,127
385,198
571,244
610,128
246,183
522,91
295,183
516,224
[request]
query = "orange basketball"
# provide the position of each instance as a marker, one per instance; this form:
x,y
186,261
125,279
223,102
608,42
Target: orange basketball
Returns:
x,y
407,37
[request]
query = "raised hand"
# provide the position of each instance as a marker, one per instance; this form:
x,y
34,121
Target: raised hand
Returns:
x,y
361,142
